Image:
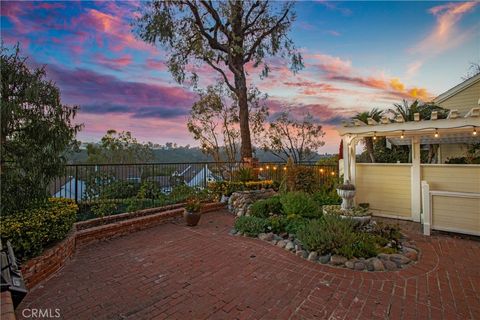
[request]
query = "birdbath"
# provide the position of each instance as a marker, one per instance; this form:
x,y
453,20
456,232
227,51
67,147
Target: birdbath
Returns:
x,y
347,192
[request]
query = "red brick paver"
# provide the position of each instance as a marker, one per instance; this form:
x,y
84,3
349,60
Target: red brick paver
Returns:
x,y
175,272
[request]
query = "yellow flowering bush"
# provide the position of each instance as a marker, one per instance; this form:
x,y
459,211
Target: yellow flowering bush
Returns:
x,y
32,231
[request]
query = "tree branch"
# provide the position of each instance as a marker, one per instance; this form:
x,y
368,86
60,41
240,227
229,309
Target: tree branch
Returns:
x,y
210,63
198,21
264,35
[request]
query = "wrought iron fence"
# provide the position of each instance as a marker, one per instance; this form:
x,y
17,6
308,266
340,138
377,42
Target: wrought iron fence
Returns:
x,y
86,182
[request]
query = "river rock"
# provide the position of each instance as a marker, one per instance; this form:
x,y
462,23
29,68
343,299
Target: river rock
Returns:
x,y
266,236
324,259
281,243
313,256
289,246
337,260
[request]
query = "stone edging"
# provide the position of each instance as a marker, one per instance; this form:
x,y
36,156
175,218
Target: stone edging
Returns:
x,y
382,262
50,261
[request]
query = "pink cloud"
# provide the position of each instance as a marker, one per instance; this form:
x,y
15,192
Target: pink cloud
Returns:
x,y
445,35
157,64
113,63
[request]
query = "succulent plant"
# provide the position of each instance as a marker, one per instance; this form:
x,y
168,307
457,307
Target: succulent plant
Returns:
x,y
346,186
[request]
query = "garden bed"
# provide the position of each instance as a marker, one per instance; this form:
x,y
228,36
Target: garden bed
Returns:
x,y
296,222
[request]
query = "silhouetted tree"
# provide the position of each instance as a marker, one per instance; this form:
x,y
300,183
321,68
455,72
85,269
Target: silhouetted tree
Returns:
x,y
225,35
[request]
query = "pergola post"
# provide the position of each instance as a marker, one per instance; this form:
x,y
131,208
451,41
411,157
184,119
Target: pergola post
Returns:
x,y
349,159
415,178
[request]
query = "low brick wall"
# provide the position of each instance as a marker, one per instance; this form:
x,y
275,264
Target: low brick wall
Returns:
x,y
42,267
39,268
124,216
7,312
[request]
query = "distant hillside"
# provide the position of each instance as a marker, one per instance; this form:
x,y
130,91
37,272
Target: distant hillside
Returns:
x,y
181,155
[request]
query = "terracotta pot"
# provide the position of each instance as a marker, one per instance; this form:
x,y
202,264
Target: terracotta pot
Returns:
x,y
191,218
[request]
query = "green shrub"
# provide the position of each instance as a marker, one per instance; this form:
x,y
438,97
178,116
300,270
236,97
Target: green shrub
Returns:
x,y
300,203
325,197
277,224
263,208
327,235
386,231
294,223
119,190
362,246
251,226
148,190
32,231
181,193
301,178
104,208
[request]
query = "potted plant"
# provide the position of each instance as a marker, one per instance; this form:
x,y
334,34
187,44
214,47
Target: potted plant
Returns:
x,y
347,192
192,211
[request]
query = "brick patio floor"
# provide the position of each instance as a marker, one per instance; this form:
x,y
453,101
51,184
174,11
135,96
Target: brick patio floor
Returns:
x,y
175,272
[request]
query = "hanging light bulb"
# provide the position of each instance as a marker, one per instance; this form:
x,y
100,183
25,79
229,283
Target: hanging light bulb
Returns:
x,y
474,131
403,134
436,133
374,135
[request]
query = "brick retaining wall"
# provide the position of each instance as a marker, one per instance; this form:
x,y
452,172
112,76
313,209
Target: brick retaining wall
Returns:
x,y
40,268
7,312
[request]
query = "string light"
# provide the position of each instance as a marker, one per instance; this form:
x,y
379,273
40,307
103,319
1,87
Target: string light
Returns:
x,y
333,173
274,168
284,168
321,170
403,134
261,169
436,133
268,167
375,135
474,131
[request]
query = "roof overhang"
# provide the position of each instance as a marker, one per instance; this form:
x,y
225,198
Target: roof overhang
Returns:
x,y
460,87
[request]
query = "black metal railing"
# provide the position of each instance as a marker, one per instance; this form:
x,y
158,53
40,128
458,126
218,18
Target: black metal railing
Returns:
x,y
86,182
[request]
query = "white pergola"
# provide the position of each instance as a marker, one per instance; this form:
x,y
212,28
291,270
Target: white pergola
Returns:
x,y
454,129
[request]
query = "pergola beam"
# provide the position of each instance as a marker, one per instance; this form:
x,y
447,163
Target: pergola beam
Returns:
x,y
411,126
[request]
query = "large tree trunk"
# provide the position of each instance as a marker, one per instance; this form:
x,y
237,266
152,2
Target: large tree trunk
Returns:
x,y
369,146
246,143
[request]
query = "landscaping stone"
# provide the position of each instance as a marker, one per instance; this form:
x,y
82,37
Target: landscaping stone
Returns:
x,y
383,256
289,246
274,241
324,259
377,264
389,265
350,264
312,256
410,253
370,266
284,235
240,202
302,253
399,259
266,236
232,232
291,236
281,243
338,260
298,247
277,237
359,266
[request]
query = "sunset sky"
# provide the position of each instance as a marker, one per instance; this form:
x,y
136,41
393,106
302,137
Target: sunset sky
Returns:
x,y
358,55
